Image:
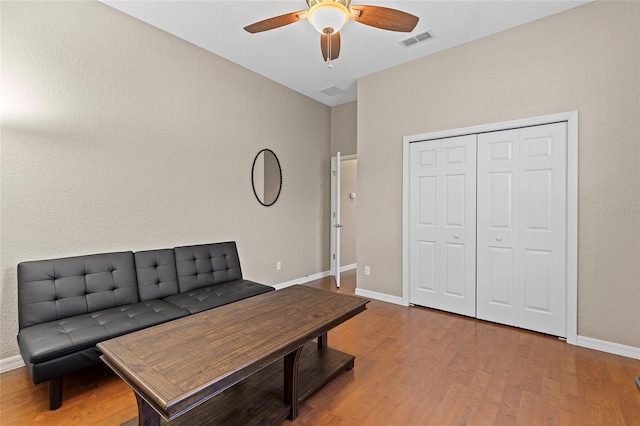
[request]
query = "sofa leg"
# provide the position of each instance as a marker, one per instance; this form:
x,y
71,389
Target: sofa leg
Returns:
x,y
55,393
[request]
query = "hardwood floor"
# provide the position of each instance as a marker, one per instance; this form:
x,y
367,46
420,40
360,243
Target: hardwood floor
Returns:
x,y
414,366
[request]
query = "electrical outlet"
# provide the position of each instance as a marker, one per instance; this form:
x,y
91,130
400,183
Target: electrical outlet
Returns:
x,y
367,270
278,265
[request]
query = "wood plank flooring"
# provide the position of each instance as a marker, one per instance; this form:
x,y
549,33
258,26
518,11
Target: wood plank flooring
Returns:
x,y
414,366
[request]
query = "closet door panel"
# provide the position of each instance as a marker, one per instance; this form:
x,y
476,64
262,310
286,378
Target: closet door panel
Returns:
x,y
424,222
442,224
521,271
500,277
426,259
428,201
454,271
458,229
455,189
458,232
542,231
500,196
537,281
497,279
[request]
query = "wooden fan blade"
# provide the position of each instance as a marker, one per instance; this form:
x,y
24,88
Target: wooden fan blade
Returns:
x,y
330,45
385,18
276,22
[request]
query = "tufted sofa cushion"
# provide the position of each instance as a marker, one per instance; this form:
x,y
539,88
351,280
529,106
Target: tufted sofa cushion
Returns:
x,y
156,271
201,299
207,264
53,339
53,289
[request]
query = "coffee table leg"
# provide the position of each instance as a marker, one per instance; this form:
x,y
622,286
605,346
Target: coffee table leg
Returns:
x,y
292,381
322,341
147,416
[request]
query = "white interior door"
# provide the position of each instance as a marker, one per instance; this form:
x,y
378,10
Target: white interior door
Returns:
x,y
522,210
335,218
442,224
497,280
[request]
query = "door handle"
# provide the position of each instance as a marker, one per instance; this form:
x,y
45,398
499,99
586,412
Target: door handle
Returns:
x,y
456,236
498,238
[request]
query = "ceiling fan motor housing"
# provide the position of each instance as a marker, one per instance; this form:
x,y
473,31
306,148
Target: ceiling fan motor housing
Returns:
x,y
312,3
328,16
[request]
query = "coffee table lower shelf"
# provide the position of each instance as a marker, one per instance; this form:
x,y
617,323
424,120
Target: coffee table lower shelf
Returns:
x,y
258,399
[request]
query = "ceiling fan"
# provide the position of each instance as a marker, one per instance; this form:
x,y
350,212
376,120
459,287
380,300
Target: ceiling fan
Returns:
x,y
329,16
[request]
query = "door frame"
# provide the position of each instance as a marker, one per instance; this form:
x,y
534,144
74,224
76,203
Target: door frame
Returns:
x,y
571,118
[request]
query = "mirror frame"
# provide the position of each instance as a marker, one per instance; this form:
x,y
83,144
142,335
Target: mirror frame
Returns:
x,y
253,182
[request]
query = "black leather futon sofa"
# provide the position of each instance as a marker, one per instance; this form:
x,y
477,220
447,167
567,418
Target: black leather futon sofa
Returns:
x,y
66,306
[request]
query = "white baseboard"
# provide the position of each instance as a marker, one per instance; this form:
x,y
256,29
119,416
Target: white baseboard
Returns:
x,y
346,268
610,347
313,277
302,280
380,296
11,363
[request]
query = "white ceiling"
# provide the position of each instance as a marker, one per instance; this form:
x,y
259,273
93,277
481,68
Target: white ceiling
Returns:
x,y
291,55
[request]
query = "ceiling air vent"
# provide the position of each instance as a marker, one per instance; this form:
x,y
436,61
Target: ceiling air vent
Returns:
x,y
332,91
418,38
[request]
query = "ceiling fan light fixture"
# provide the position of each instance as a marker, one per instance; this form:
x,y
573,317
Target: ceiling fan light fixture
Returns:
x,y
328,16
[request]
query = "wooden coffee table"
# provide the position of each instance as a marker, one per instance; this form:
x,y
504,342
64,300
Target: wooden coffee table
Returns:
x,y
224,362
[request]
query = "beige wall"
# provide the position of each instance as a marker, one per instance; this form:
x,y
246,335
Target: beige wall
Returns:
x,y
344,129
118,136
586,59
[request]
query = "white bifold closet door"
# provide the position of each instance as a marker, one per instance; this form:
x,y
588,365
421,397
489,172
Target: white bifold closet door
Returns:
x,y
521,228
443,224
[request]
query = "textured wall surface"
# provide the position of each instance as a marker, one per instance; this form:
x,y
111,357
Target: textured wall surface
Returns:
x,y
344,136
118,136
586,59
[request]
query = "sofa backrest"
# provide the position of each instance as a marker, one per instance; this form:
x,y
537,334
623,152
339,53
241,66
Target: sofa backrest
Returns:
x,y
207,264
58,288
156,271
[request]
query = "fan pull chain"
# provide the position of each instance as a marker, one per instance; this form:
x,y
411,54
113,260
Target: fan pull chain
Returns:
x,y
329,64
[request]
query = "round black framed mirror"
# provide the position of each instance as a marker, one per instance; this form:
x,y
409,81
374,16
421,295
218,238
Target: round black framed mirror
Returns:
x,y
266,177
